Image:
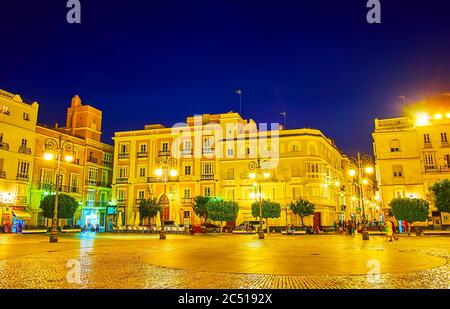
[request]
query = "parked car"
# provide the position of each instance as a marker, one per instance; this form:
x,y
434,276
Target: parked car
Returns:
x,y
210,228
228,228
249,226
373,226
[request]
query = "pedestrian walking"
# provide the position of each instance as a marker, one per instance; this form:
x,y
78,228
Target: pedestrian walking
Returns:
x,y
389,230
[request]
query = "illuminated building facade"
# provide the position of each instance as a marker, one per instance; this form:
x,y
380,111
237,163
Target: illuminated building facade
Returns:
x,y
412,152
17,138
213,153
87,177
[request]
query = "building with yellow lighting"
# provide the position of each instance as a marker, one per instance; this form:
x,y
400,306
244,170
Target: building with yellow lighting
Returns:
x,y
87,177
17,138
413,152
212,155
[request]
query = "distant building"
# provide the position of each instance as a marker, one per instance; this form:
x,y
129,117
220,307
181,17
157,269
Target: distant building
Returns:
x,y
17,138
212,154
412,152
87,178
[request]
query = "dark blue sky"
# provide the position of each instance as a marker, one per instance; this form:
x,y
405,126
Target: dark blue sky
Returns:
x,y
160,61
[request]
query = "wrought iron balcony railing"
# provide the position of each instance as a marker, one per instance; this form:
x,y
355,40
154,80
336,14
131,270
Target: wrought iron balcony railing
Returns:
x,y
124,155
2,174
187,200
122,180
142,154
207,177
4,146
25,150
21,176
92,160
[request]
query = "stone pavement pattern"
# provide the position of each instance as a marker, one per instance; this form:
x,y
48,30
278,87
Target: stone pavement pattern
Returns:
x,y
225,261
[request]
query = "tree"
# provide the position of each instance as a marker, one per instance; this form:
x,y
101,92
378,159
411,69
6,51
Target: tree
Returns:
x,y
302,208
67,206
200,206
410,210
220,210
149,208
441,191
269,210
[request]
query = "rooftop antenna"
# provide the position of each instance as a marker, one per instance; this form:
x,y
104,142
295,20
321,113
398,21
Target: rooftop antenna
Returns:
x,y
284,116
239,92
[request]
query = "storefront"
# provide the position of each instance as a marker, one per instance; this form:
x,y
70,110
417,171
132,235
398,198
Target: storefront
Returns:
x,y
93,217
14,219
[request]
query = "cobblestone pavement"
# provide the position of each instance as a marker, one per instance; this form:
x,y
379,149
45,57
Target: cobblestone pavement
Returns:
x,y
127,261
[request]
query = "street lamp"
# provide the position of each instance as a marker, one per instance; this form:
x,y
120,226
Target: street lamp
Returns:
x,y
364,166
166,166
58,148
258,167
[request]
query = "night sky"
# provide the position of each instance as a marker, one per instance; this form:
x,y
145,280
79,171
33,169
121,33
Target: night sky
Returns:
x,y
144,62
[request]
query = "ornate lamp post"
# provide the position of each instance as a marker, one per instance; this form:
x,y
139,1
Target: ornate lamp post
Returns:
x,y
166,167
259,167
59,148
364,166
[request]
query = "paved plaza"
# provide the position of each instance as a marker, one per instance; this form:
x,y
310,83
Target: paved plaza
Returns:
x,y
223,261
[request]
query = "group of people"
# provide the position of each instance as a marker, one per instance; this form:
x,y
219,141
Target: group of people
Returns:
x,y
349,227
92,228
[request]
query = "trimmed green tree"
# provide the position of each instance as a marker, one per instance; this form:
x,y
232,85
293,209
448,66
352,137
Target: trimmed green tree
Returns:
x,y
149,208
441,192
410,210
270,210
67,206
200,206
220,210
302,208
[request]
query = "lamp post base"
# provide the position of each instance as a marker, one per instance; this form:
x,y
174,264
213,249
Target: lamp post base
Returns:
x,y
53,239
261,234
162,235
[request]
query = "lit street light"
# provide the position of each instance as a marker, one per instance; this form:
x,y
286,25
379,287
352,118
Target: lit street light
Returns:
x,y
258,167
59,148
166,167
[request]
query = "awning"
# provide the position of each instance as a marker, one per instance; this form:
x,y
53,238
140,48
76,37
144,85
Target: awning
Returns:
x,y
21,215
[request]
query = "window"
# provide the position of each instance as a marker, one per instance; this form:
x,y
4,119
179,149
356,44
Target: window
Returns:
x,y
248,151
165,146
141,194
394,145
426,138
230,173
207,191
24,143
187,146
444,137
92,175
313,169
123,172
123,148
142,172
23,169
5,109
207,143
430,161
74,182
187,193
447,161
104,176
399,193
46,176
230,152
294,148
207,168
231,195
107,158
143,148
121,194
90,197
26,116
187,170
397,170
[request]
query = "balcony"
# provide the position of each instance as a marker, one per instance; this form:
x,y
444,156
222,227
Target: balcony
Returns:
x,y
65,189
187,152
91,182
124,155
427,145
23,177
431,168
46,186
2,174
92,160
4,146
142,154
104,184
207,177
160,179
444,145
107,164
208,150
6,113
122,181
164,153
121,201
187,200
25,150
